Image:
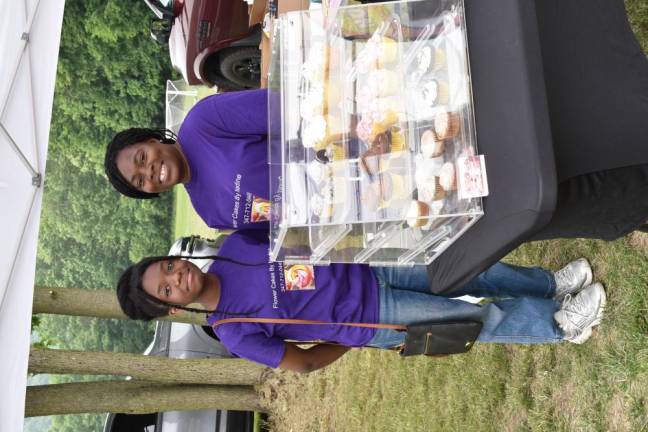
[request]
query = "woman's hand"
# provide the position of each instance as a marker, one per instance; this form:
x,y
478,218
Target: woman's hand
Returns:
x,y
302,360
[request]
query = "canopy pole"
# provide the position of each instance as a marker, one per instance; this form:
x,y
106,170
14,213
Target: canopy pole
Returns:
x,y
24,41
35,174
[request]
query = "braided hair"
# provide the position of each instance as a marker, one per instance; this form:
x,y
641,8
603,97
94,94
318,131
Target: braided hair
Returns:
x,y
122,140
137,304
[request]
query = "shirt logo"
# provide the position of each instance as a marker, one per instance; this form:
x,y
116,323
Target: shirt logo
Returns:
x,y
299,277
260,210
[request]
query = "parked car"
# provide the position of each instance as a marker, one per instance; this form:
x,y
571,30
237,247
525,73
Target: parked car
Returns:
x,y
185,341
210,41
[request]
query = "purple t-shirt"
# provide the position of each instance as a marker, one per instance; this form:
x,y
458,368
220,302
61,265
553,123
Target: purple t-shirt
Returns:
x,y
335,293
224,138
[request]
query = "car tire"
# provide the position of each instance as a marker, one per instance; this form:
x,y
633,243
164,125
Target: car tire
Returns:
x,y
241,67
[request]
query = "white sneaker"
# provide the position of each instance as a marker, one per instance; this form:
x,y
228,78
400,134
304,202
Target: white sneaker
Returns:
x,y
571,278
580,312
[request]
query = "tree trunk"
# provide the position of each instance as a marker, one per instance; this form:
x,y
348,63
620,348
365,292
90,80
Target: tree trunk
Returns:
x,y
136,397
93,303
149,368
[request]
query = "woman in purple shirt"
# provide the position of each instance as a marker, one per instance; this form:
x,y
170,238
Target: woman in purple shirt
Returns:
x,y
533,305
219,156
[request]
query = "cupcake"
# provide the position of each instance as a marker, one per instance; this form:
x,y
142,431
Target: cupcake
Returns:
x,y
437,206
315,68
427,167
429,59
447,125
430,146
319,131
374,123
447,177
397,140
430,190
417,214
386,49
370,161
435,92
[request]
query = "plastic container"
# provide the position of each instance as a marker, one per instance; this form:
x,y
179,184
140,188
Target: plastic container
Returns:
x,y
369,111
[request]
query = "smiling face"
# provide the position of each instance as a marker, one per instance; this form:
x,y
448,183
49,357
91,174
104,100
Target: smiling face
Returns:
x,y
152,166
174,281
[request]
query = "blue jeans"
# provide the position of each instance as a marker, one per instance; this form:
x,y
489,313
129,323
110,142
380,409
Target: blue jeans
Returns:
x,y
524,316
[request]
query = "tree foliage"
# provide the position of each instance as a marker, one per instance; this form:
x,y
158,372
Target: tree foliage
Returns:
x,y
110,76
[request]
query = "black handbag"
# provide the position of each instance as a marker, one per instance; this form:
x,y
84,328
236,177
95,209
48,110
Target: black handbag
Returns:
x,y
437,338
440,338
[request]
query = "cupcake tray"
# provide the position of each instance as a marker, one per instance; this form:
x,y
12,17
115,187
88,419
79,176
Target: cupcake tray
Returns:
x,y
376,114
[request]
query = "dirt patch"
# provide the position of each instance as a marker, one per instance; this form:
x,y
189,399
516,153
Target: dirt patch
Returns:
x,y
514,420
639,242
617,414
566,404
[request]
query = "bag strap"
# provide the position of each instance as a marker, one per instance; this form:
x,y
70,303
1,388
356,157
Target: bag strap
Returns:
x,y
396,327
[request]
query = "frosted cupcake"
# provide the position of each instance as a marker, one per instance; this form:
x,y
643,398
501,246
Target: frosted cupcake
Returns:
x,y
426,167
447,177
435,92
417,214
447,125
430,190
375,123
431,147
315,68
430,59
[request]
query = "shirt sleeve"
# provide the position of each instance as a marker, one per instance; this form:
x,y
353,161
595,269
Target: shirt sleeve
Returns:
x,y
246,342
236,114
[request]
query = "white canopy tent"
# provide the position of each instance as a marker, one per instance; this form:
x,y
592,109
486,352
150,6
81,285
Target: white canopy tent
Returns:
x,y
29,43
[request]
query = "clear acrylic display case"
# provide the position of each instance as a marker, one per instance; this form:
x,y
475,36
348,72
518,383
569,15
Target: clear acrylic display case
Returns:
x,y
370,121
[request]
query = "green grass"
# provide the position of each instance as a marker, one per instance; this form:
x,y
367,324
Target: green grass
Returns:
x,y
599,386
185,219
638,16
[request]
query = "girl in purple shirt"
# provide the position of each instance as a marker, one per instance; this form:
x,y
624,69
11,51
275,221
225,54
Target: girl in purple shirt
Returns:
x,y
219,156
533,305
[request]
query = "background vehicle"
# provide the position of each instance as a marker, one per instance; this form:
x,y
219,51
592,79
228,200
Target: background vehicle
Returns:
x,y
185,341
210,41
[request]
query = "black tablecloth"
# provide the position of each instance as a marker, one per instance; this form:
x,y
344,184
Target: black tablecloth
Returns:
x,y
575,62
513,132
